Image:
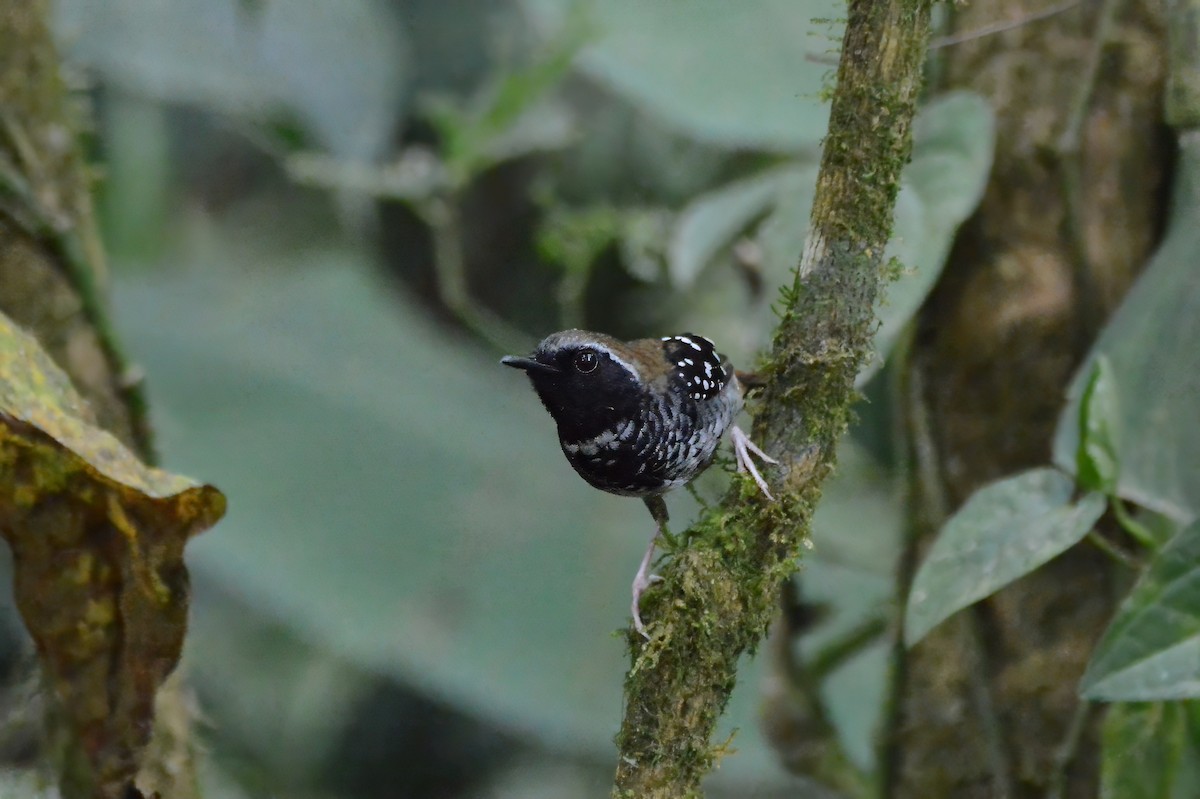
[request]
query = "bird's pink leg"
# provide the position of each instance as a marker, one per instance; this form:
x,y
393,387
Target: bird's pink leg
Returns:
x,y
644,579
743,448
641,581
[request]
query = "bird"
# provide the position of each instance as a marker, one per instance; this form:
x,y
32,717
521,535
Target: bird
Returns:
x,y
639,418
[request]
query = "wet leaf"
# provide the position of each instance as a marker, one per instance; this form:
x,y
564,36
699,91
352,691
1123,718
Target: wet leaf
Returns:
x,y
1005,530
97,539
1152,648
729,73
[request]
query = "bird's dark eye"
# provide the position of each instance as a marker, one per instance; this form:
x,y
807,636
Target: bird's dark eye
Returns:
x,y
587,361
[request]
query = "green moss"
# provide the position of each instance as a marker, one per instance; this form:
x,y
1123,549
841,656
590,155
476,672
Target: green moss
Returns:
x,y
718,594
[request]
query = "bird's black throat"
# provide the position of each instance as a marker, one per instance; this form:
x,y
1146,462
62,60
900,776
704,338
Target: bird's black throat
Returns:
x,y
585,410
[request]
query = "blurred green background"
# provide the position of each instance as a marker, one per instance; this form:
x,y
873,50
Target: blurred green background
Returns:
x,y
327,221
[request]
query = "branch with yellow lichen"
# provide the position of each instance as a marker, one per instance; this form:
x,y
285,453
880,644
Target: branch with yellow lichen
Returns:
x,y
97,535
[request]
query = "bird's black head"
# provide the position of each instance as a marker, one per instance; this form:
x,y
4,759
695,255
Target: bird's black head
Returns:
x,y
588,382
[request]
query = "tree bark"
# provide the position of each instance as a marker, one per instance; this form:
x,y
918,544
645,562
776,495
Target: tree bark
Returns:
x,y
988,706
719,592
52,275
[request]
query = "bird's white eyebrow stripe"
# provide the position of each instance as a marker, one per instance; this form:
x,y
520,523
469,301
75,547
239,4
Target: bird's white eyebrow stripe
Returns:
x,y
616,359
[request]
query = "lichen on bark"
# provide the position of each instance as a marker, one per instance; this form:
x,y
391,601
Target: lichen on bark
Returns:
x,y
52,276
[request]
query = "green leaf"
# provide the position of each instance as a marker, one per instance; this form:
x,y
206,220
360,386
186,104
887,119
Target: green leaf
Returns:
x,y
574,239
1005,530
735,74
710,222
857,533
1187,779
953,143
512,117
1152,648
340,68
1097,462
1142,747
1151,344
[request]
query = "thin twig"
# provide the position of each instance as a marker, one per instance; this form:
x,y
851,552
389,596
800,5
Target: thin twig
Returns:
x,y
1069,140
1001,27
971,35
846,645
441,214
1067,749
1113,551
979,685
813,731
927,506
1068,147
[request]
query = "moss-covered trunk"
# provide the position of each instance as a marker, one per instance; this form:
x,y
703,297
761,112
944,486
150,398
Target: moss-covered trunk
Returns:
x,y
51,278
988,704
718,594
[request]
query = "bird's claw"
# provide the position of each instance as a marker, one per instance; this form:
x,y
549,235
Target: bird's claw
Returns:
x,y
743,450
640,583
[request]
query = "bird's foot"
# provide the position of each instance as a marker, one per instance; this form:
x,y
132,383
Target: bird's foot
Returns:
x,y
743,450
644,579
640,583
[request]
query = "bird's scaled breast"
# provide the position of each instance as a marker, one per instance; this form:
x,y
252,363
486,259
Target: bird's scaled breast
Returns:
x,y
671,440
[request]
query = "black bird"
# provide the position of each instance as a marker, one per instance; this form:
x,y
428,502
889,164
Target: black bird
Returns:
x,y
639,418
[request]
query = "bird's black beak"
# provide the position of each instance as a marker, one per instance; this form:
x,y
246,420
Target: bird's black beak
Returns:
x,y
530,365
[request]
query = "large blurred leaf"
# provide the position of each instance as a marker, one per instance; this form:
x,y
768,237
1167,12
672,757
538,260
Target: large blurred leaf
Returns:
x,y
339,67
856,538
1151,343
1003,531
398,496
860,517
1152,649
953,141
707,225
737,74
953,144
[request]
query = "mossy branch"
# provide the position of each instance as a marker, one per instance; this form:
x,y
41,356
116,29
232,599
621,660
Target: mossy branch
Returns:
x,y
718,594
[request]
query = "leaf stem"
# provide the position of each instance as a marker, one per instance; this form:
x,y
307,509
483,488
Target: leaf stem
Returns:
x,y
1067,749
450,264
846,645
1131,525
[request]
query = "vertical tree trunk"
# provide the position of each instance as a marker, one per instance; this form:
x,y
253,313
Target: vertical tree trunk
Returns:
x,y
988,706
51,280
